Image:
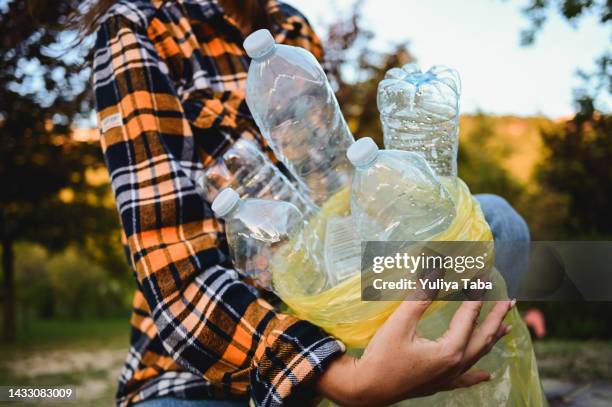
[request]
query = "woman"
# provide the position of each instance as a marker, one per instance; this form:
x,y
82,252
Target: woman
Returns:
x,y
169,80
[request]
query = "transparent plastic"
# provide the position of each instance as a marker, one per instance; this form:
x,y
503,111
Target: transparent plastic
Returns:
x,y
249,172
341,249
420,113
396,196
297,112
256,229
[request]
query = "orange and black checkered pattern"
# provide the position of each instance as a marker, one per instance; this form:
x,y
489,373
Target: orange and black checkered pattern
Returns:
x,y
169,82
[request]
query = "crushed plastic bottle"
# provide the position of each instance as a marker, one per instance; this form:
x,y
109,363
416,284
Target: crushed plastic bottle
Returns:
x,y
420,113
251,174
297,112
395,195
255,230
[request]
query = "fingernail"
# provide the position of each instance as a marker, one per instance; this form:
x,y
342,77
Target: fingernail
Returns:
x,y
513,303
508,329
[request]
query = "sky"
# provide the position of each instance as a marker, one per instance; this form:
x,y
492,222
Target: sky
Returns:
x,y
481,41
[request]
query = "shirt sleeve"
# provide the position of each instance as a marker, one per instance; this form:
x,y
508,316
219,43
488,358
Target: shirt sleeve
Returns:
x,y
209,321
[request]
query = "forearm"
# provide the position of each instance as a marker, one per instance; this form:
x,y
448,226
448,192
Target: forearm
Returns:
x,y
340,382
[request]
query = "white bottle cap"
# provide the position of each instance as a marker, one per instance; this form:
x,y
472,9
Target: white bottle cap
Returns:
x,y
225,202
362,152
258,43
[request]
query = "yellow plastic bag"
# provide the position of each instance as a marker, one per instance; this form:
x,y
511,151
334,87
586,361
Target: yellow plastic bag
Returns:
x,y
341,312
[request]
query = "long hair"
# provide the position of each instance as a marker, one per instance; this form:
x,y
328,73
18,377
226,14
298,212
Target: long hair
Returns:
x,y
254,12
86,21
257,14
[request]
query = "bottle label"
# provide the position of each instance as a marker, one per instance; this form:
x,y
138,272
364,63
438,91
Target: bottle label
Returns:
x,y
342,249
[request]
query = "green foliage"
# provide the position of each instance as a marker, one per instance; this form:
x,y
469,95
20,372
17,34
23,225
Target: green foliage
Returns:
x,y
35,297
87,333
480,162
574,175
82,287
44,86
69,284
44,83
577,166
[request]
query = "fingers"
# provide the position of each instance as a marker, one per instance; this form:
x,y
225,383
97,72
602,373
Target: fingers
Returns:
x,y
459,332
408,314
468,379
488,333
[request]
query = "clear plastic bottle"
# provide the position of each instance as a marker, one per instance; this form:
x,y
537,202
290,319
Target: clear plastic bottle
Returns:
x,y
297,112
256,229
396,195
420,113
251,174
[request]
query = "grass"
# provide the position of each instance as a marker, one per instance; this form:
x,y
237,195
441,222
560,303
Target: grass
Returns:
x,y
40,334
575,360
86,353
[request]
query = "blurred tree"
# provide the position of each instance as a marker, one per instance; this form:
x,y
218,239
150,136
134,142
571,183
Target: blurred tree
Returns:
x,y
33,294
45,196
82,287
578,155
484,172
537,12
355,70
577,165
66,284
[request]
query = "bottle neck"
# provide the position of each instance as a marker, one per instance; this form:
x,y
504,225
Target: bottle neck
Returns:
x,y
232,212
371,160
265,54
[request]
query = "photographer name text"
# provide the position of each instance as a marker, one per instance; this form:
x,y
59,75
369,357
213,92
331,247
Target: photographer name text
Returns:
x,y
434,285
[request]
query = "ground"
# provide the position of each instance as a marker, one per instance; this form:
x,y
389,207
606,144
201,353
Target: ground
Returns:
x,y
86,354
576,373
90,355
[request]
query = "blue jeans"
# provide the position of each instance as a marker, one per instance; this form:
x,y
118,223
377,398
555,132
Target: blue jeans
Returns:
x,y
177,402
507,225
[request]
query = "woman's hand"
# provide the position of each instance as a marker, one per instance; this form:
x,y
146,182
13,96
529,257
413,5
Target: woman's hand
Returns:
x,y
399,364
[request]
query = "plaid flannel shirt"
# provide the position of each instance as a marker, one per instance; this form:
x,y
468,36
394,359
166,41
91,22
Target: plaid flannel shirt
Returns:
x,y
169,82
